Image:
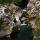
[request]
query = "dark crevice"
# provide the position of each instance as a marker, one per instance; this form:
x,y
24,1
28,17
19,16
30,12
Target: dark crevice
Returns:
x,y
22,4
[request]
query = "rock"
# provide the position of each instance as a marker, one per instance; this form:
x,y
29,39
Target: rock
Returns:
x,y
34,17
6,21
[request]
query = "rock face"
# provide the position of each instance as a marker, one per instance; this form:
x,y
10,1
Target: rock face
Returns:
x,y
34,17
6,21
7,17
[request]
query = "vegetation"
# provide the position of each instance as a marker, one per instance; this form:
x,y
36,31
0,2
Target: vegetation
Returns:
x,y
5,1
